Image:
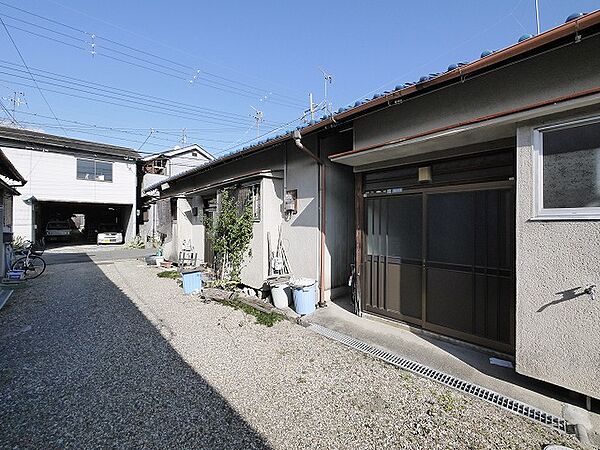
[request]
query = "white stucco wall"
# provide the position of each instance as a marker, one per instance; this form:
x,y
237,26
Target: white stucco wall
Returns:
x,y
557,333
53,177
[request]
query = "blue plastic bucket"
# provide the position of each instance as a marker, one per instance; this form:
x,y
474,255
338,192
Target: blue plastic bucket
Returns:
x,y
305,295
192,281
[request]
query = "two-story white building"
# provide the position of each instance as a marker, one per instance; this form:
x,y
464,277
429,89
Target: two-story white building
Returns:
x,y
155,169
71,179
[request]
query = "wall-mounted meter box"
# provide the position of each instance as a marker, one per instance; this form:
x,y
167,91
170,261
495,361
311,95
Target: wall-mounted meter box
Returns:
x,y
290,201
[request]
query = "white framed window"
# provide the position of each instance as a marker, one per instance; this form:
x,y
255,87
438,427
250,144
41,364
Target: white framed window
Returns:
x,y
92,170
566,161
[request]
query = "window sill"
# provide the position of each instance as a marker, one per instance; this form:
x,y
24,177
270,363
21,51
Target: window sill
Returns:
x,y
565,217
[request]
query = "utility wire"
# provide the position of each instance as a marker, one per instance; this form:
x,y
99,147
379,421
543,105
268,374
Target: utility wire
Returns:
x,y
146,140
30,74
159,111
130,99
202,82
8,113
41,72
256,90
161,43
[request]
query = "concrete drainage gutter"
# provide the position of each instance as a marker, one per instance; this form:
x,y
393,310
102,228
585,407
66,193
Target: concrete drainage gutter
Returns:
x,y
514,406
507,403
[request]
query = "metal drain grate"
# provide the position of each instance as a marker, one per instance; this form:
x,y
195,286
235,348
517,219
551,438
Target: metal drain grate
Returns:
x,y
507,403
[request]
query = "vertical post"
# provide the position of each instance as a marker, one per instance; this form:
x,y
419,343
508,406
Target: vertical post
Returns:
x,y
537,16
359,202
312,106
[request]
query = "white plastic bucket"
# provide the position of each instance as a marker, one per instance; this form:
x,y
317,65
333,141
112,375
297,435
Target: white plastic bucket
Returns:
x,y
280,295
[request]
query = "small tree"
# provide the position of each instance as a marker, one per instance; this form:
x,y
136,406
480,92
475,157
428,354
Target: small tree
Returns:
x,y
231,233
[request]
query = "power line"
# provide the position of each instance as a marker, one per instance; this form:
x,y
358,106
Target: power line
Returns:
x,y
146,140
161,43
130,132
110,129
257,91
159,111
241,93
110,93
8,113
30,74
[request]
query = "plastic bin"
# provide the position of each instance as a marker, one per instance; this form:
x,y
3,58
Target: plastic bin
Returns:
x,y
192,281
280,293
305,295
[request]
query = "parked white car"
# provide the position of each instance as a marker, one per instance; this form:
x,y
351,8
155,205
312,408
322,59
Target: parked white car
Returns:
x,y
58,230
109,233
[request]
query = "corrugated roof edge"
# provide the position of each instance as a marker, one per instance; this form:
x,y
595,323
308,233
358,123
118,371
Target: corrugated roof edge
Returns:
x,y
51,140
519,48
9,170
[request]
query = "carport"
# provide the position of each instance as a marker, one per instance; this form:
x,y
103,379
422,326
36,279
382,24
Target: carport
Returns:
x,y
84,216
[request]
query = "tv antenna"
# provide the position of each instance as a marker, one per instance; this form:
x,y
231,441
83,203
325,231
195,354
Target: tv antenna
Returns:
x,y
184,136
327,80
259,117
312,107
17,99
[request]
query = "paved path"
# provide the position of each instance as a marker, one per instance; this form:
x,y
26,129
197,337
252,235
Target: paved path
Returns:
x,y
97,356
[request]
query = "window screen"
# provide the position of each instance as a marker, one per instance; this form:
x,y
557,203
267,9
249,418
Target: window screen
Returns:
x,y
85,169
88,169
571,167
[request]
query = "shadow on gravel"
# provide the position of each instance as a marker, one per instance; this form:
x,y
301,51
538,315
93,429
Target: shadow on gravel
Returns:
x,y
82,367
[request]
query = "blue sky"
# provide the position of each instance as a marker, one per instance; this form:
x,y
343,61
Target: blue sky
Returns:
x,y
263,54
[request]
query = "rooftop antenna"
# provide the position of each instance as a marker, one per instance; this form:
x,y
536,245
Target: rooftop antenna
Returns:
x,y
537,16
259,117
17,99
312,107
183,136
328,79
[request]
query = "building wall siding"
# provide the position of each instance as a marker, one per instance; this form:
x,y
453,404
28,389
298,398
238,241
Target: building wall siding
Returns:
x,y
53,177
560,72
556,341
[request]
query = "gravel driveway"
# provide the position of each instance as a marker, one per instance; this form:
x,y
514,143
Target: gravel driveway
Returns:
x,y
112,356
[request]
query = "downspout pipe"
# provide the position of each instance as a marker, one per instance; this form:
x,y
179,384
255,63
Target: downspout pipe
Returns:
x,y
298,141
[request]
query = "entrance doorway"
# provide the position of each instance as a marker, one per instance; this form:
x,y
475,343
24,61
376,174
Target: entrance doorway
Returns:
x,y
443,258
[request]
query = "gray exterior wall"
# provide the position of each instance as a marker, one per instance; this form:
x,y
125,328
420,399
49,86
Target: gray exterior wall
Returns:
x,y
557,337
290,169
563,71
557,331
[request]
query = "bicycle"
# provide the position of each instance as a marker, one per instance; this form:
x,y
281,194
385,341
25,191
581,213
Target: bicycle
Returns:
x,y
31,263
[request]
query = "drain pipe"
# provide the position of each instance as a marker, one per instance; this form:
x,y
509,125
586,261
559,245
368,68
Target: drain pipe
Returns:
x,y
321,165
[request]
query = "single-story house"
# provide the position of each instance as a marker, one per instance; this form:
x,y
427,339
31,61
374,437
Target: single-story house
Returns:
x,y
315,226
470,200
67,178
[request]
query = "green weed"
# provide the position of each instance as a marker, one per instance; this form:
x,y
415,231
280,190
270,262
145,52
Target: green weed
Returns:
x,y
172,274
262,318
